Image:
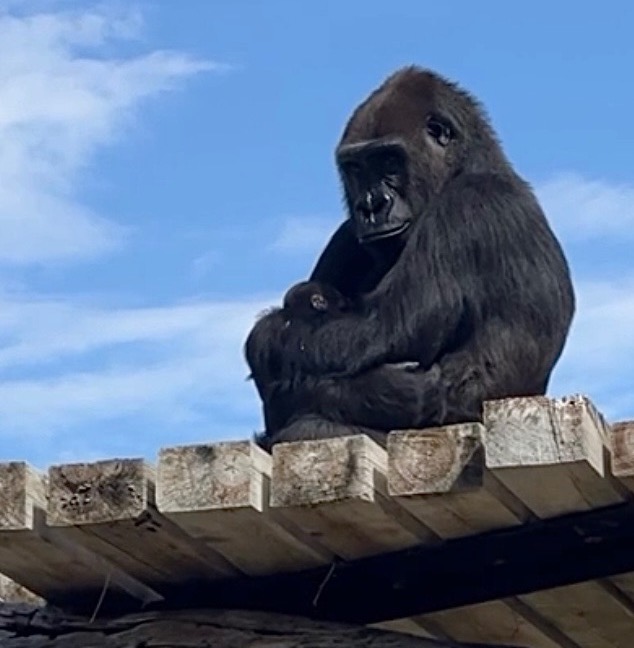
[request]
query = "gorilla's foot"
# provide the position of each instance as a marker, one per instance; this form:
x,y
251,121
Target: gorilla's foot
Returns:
x,y
310,428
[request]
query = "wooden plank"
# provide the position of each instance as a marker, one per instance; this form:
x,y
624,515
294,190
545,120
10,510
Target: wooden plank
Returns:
x,y
622,446
557,460
498,622
587,613
109,507
12,592
430,578
405,626
336,490
219,494
439,476
552,454
37,558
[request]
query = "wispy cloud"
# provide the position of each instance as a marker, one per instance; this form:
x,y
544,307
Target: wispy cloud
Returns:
x,y
598,358
588,209
301,235
62,95
158,362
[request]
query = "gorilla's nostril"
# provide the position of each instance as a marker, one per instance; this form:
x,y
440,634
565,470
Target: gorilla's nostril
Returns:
x,y
373,204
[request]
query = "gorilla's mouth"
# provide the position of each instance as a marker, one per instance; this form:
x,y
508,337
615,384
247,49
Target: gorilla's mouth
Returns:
x,y
384,233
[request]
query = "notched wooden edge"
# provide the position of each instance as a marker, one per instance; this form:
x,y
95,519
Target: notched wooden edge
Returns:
x,y
622,446
22,488
103,491
211,476
327,470
539,430
435,460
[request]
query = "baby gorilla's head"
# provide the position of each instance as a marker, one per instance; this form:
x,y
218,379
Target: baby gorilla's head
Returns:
x,y
310,298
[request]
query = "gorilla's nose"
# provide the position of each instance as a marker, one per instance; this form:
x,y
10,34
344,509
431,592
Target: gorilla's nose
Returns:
x,y
373,206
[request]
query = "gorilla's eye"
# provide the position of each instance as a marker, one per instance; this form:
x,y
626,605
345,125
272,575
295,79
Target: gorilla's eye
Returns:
x,y
392,164
351,169
440,131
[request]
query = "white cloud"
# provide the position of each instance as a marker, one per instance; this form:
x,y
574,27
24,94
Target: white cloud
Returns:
x,y
65,362
599,354
589,215
304,235
584,209
62,95
192,355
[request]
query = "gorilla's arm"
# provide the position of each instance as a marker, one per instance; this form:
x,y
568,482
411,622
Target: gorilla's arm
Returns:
x,y
467,260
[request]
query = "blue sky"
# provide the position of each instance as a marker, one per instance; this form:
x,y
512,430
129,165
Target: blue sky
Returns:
x,y
167,171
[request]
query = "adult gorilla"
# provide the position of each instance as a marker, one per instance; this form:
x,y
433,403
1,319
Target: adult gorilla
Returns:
x,y
450,264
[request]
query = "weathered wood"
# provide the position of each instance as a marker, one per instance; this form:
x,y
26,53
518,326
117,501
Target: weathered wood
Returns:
x,y
12,592
26,627
336,491
569,441
219,494
430,578
498,622
552,454
406,626
586,613
439,476
622,467
212,537
36,557
109,507
622,445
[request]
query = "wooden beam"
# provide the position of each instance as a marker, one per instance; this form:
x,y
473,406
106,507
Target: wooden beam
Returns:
x,y
551,454
38,558
336,491
428,578
566,444
587,613
109,508
622,444
219,494
12,592
439,475
499,622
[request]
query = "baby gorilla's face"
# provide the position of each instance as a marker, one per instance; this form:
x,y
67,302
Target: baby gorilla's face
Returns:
x,y
309,298
319,302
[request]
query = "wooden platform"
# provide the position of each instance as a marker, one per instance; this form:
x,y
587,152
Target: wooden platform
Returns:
x,y
515,531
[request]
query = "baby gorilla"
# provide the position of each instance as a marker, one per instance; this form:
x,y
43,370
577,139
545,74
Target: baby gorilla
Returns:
x,y
312,301
308,305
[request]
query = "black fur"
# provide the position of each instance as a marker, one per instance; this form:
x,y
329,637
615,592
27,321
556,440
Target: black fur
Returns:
x,y
448,262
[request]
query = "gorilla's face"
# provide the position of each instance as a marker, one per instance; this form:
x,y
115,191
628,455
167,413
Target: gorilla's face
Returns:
x,y
375,177
398,150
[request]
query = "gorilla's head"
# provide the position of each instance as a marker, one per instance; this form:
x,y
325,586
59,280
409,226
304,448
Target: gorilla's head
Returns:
x,y
402,145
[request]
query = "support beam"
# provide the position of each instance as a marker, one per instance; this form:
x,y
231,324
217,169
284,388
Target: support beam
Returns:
x,y
465,571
